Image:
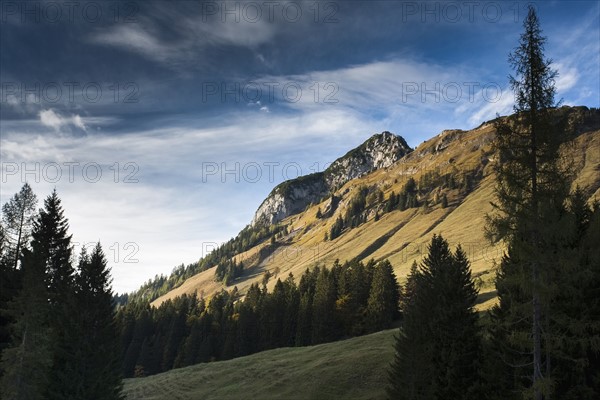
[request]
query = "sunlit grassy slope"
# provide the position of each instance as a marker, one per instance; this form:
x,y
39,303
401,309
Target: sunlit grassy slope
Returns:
x,y
402,236
346,370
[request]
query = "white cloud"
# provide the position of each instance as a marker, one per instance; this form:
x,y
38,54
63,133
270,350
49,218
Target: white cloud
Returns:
x,y
52,119
78,122
567,77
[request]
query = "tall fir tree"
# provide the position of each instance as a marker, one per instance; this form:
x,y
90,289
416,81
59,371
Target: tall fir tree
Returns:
x,y
531,187
52,240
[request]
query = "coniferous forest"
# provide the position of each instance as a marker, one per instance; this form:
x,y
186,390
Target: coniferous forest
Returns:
x,y
58,329
326,304
64,334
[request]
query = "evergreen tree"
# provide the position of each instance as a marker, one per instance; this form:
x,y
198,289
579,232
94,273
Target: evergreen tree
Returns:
x,y
323,308
360,286
247,332
143,329
290,316
382,306
18,215
412,369
273,314
9,286
27,362
407,293
438,348
51,239
574,350
304,326
48,259
96,362
175,334
189,352
54,244
336,228
530,194
458,346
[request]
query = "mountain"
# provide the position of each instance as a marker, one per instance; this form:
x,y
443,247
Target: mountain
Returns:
x,y
384,201
292,197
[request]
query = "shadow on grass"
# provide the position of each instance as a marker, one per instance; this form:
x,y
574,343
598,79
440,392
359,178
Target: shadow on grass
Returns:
x,y
483,297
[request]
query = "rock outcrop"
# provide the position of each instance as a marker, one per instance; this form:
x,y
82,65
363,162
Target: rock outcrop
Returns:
x,y
291,197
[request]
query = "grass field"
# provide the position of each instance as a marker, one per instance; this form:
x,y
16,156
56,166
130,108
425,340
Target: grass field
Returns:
x,y
351,369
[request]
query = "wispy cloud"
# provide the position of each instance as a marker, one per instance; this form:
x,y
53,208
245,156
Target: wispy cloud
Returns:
x,y
185,43
134,37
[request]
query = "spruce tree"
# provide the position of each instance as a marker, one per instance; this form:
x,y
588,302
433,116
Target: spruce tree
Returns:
x,y
10,281
412,368
531,188
438,347
574,350
27,362
290,316
96,362
382,306
323,308
47,290
51,239
304,325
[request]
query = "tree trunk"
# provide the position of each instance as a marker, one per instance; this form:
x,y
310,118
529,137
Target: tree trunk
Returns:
x,y
19,238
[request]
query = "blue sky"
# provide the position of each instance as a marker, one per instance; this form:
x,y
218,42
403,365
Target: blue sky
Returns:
x,y
164,124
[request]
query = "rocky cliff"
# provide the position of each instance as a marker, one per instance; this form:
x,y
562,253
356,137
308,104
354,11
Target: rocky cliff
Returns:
x,y
291,197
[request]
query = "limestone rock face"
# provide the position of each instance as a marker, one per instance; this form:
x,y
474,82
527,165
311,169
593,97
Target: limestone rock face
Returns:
x,y
291,197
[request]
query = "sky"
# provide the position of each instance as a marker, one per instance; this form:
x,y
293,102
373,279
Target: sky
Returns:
x,y
164,124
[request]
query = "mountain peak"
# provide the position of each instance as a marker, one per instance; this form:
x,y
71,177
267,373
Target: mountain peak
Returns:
x,y
291,197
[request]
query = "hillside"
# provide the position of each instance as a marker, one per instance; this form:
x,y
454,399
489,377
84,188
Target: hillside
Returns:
x,y
349,369
453,167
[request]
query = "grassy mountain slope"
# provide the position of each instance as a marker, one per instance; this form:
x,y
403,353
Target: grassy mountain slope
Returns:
x,y
349,369
402,236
